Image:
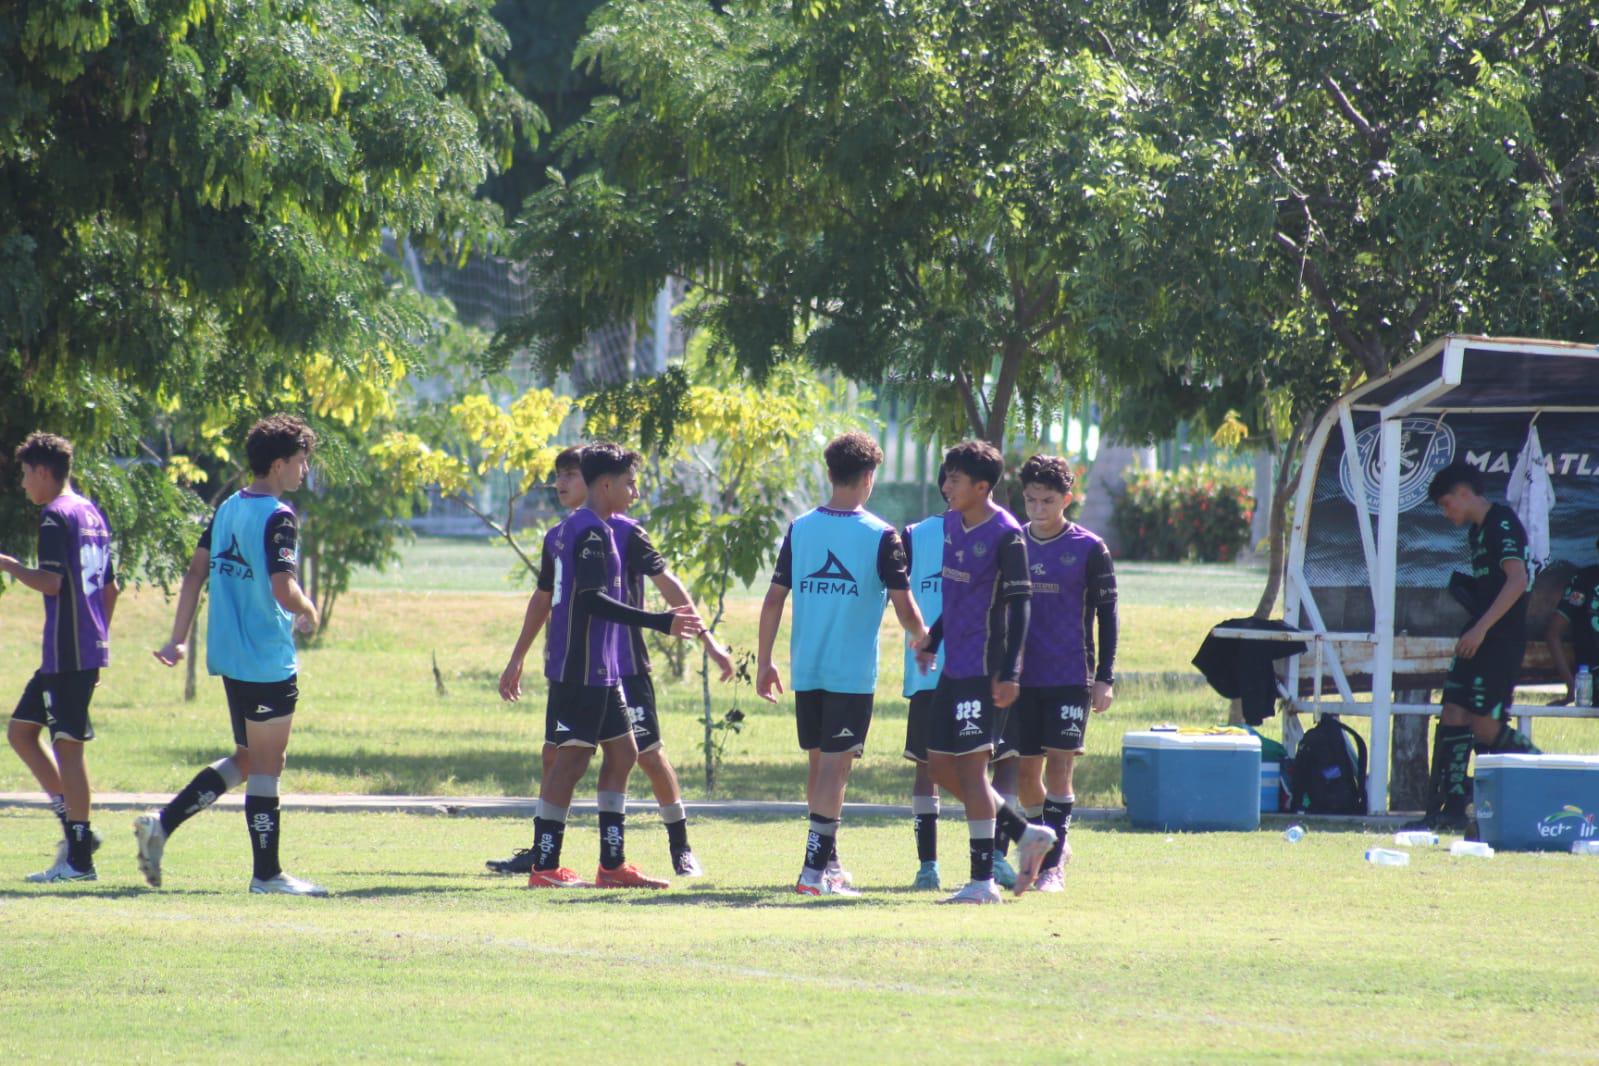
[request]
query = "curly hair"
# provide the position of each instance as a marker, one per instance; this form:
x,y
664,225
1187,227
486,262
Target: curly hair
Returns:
x,y
1050,472
49,451
277,437
850,456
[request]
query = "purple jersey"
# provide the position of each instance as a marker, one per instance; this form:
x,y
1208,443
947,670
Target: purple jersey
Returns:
x,y
580,648
75,542
1072,576
983,567
639,561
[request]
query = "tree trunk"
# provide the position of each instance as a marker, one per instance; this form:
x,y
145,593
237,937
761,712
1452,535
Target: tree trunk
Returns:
x,y
1106,482
1407,773
194,656
1277,552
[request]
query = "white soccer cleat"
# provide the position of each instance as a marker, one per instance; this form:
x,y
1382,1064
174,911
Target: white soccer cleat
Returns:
x,y
837,874
826,886
1051,880
152,840
977,892
285,885
1035,843
61,872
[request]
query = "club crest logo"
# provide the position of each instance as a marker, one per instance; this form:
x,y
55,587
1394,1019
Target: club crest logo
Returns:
x,y
1425,447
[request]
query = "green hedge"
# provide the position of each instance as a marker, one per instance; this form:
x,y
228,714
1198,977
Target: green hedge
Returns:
x,y
1198,514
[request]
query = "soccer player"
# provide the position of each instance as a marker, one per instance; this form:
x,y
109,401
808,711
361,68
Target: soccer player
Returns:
x,y
249,555
842,564
983,628
586,709
1576,615
639,560
1481,684
1074,589
79,586
924,565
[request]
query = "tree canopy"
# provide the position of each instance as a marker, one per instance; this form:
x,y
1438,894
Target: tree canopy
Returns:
x,y
193,201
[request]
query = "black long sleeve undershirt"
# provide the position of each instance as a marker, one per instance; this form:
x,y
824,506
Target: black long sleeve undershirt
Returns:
x,y
600,605
1109,625
1018,614
935,635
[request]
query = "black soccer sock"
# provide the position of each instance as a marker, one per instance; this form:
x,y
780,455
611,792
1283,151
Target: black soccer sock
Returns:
x,y
982,846
1511,740
58,804
925,819
1008,823
1451,758
80,846
1058,816
1034,815
613,819
675,818
549,833
819,843
206,788
265,821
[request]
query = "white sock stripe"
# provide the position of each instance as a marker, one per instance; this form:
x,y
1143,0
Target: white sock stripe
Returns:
x,y
673,812
551,813
612,802
229,771
264,785
924,804
980,829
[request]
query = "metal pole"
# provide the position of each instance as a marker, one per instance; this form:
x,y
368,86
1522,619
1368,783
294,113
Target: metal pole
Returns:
x,y
1382,673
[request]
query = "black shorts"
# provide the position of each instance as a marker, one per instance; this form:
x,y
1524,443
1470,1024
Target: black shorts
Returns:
x,y
1485,684
832,722
916,719
259,701
638,694
584,716
964,717
1050,718
61,702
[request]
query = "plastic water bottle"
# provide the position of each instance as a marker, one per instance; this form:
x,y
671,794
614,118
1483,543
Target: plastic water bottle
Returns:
x,y
1582,688
1294,834
1585,847
1474,848
1387,857
1416,838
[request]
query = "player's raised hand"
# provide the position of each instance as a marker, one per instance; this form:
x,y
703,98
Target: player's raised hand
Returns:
x,y
171,653
686,624
511,681
1005,693
768,685
719,656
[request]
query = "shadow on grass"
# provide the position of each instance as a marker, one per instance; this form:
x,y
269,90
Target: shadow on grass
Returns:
x,y
91,891
390,773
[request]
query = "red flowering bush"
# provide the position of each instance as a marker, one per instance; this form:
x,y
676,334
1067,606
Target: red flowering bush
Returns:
x,y
1199,514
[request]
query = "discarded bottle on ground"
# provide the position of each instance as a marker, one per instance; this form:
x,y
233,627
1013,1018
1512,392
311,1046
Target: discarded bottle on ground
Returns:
x,y
1585,847
1582,688
1416,838
1474,848
1294,834
1387,857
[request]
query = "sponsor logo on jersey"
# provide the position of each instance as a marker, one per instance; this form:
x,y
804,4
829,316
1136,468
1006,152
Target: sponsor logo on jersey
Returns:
x,y
831,578
230,561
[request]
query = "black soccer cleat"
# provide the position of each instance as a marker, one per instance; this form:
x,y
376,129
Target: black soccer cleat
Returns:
x,y
519,863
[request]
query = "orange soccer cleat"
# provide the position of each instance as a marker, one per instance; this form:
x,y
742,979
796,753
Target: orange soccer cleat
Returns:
x,y
560,878
627,876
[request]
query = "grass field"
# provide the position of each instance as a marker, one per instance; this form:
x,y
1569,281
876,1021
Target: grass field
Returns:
x,y
1166,948
372,720
1213,947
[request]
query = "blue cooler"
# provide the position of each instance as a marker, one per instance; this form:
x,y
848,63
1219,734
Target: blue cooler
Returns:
x,y
1537,802
1271,778
1191,781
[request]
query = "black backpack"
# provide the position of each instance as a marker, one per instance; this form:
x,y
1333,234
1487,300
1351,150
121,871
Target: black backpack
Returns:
x,y
1326,778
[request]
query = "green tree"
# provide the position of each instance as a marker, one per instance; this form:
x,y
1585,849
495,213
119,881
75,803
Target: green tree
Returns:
x,y
939,193
193,204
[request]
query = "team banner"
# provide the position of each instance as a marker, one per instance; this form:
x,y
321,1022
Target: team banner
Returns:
x,y
1430,549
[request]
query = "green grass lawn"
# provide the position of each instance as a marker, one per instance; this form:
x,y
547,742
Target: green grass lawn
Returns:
x,y
372,720
1211,947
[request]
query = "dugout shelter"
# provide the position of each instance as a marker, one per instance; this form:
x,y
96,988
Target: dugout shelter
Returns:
x,y
1370,557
